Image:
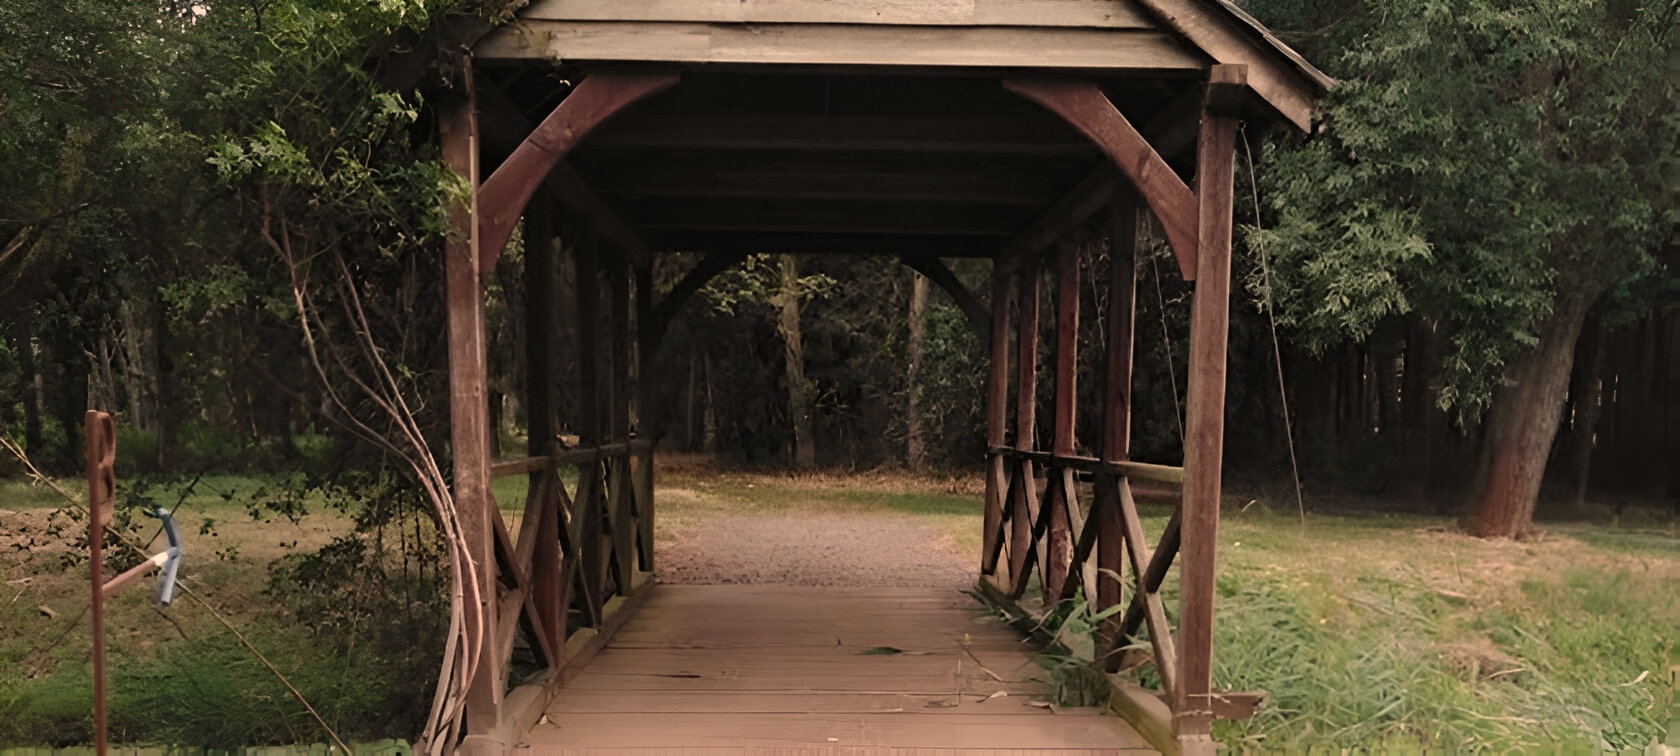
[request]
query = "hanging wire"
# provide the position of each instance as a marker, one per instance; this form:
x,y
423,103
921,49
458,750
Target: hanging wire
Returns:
x,y
1166,347
1271,318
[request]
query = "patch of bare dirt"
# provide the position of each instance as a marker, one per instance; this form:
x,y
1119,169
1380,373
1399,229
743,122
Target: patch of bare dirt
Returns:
x,y
30,536
863,549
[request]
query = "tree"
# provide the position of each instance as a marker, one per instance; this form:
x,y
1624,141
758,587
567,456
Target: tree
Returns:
x,y
1495,165
915,350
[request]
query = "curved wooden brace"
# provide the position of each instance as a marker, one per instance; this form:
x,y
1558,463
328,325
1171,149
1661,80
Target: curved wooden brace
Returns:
x,y
979,318
708,268
1083,105
597,98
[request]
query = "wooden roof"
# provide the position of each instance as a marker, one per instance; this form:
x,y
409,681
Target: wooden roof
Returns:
x,y
1112,37
865,126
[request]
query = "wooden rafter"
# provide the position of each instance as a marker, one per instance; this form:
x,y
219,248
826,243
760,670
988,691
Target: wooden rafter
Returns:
x,y
597,98
979,320
1015,134
1083,104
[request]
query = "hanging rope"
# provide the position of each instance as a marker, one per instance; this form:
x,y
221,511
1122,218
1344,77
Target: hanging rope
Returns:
x,y
1271,318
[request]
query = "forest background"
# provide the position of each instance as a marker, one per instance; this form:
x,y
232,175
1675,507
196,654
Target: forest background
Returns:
x,y
1475,258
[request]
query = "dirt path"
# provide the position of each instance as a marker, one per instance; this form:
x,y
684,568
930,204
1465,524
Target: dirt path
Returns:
x,y
852,550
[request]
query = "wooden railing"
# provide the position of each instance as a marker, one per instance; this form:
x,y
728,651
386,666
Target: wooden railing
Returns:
x,y
1077,558
1041,521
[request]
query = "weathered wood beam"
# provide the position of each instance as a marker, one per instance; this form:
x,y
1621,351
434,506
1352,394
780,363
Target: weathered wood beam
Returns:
x,y
852,216
1205,420
1280,75
881,244
979,320
506,127
997,420
692,282
469,420
698,43
789,177
1025,504
1054,13
1021,135
1091,194
594,100
1117,407
1083,104
1059,539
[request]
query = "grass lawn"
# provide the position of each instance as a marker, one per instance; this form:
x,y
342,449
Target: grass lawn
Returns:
x,y
1365,630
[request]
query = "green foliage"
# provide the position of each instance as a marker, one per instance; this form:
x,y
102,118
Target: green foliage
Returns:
x,y
1482,159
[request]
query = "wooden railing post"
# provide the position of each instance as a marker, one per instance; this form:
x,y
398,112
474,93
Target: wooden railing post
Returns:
x,y
648,417
1059,490
1117,409
618,390
587,504
1204,423
997,420
1024,492
469,415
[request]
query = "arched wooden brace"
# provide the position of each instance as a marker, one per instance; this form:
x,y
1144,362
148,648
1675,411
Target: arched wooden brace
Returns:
x,y
1084,106
597,98
979,321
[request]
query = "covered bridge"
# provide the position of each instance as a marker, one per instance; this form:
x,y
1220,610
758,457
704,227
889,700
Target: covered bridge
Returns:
x,y
925,129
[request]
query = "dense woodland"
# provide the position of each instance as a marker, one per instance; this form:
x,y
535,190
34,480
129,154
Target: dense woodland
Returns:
x,y
172,173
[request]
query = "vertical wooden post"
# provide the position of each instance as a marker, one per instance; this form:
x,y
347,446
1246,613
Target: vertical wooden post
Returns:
x,y
469,418
649,421
1059,538
540,339
1117,401
1204,422
586,267
587,505
619,497
1024,503
100,434
997,420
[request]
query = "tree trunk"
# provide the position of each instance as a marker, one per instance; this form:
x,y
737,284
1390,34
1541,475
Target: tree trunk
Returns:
x,y
799,400
1522,424
708,421
1586,395
29,380
916,443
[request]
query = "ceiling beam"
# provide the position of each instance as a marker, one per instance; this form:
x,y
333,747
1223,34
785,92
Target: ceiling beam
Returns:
x,y
851,216
663,178
829,244
1021,135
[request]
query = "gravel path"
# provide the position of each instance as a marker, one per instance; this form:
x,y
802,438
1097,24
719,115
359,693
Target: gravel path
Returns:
x,y
857,550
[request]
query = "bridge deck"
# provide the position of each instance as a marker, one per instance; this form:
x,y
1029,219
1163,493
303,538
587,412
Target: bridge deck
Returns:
x,y
786,670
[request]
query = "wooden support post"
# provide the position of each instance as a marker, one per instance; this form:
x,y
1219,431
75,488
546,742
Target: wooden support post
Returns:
x,y
469,417
541,318
1117,405
586,267
1058,492
587,515
1204,421
648,417
997,420
1024,498
619,498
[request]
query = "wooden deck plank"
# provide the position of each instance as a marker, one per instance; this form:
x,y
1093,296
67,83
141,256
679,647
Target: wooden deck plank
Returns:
x,y
756,669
